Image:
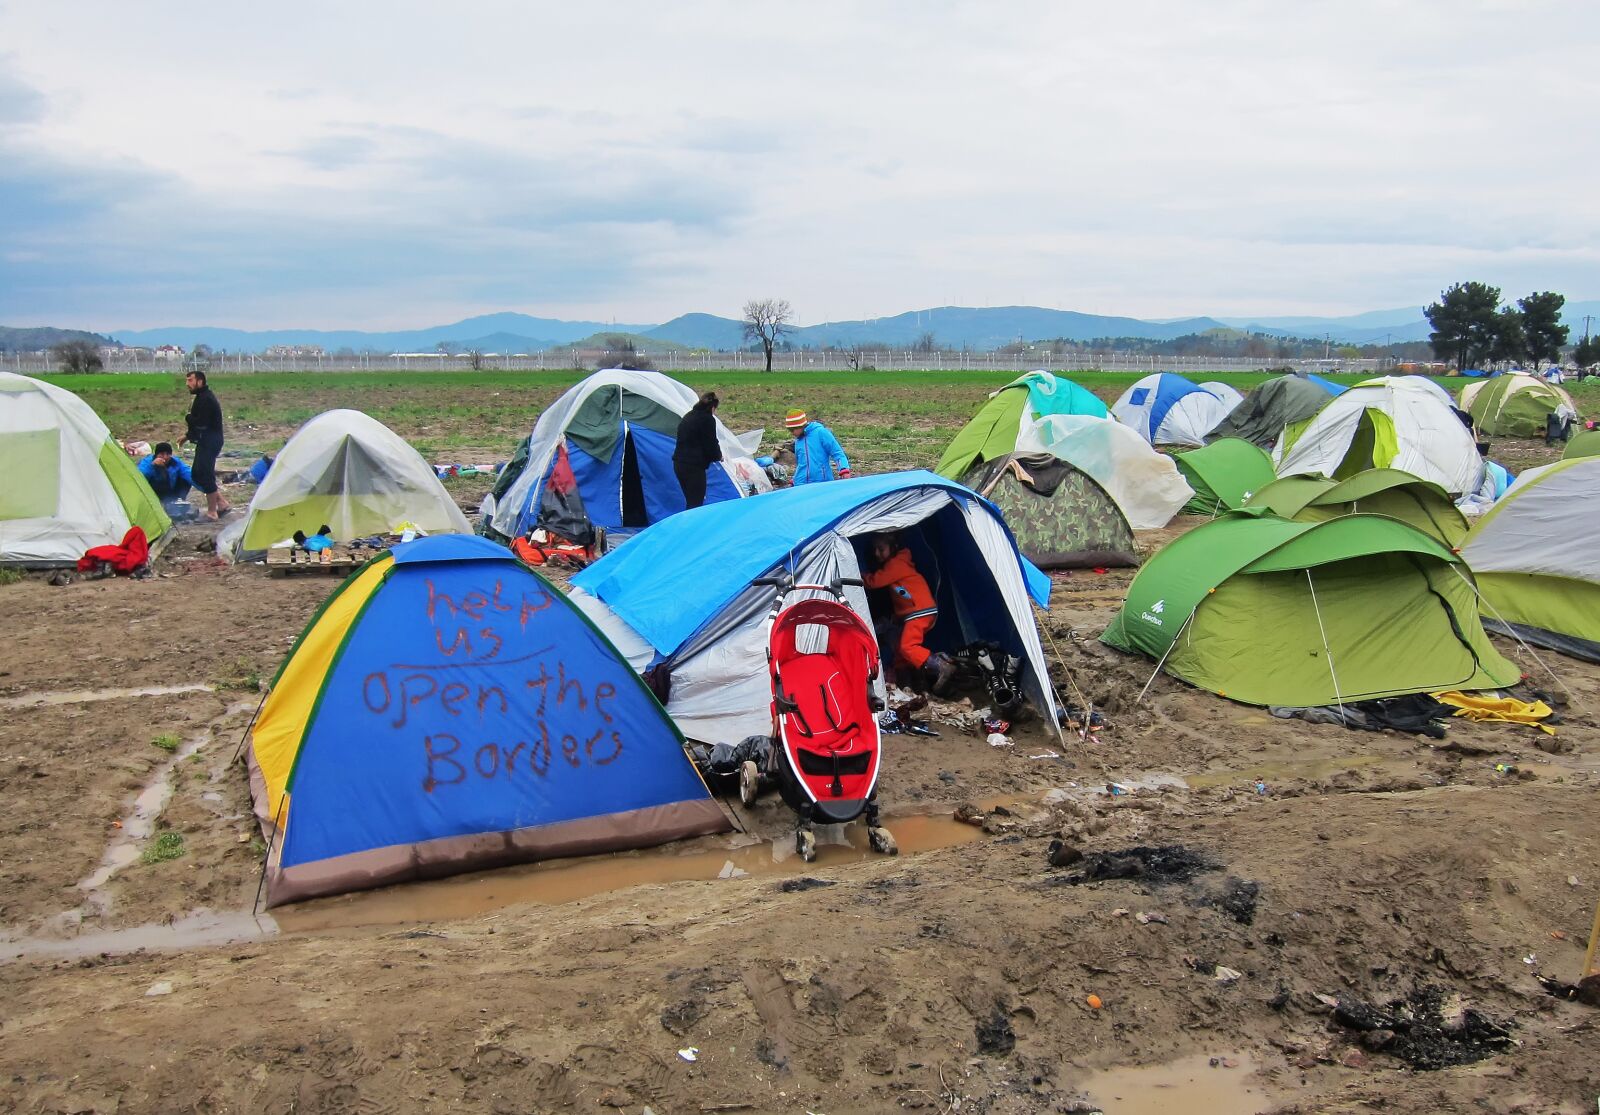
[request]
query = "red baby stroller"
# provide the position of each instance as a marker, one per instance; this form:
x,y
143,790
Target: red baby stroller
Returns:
x,y
822,658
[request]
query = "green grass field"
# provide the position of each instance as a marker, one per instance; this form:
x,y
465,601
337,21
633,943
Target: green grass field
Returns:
x,y
885,420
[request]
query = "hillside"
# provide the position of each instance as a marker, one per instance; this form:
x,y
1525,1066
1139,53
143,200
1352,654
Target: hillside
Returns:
x,y
43,337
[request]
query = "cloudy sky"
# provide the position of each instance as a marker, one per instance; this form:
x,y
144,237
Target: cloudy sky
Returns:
x,y
390,164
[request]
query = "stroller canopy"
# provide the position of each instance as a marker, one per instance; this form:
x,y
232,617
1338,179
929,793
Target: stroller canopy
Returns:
x,y
681,596
601,456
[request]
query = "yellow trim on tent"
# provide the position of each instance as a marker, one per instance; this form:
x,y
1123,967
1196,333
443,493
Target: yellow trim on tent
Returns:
x,y
279,730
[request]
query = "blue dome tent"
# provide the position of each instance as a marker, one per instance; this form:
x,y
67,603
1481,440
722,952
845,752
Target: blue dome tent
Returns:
x,y
680,597
448,710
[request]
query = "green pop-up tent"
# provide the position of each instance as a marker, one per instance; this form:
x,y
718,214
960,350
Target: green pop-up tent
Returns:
x,y
993,431
1270,612
1514,405
1376,491
1224,474
1536,554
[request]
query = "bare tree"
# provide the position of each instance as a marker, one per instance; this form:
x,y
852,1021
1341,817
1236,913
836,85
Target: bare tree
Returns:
x,y
78,356
767,320
475,357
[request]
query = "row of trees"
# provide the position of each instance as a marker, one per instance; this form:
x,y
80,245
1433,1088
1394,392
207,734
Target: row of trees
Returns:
x,y
1471,327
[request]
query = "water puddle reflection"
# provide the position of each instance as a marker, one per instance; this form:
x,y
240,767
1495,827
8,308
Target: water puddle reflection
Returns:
x,y
87,696
1199,1083
469,896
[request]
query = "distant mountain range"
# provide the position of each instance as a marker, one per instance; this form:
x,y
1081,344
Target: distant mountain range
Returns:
x,y
950,326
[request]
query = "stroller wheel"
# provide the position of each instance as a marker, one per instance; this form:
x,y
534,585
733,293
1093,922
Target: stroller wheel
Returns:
x,y
805,842
749,782
882,841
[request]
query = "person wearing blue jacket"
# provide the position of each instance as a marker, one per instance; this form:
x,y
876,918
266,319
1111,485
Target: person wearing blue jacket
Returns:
x,y
816,450
169,478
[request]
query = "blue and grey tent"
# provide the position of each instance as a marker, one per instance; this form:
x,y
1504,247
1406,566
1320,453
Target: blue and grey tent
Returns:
x,y
1167,409
601,456
680,599
448,710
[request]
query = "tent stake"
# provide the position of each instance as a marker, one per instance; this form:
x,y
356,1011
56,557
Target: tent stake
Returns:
x,y
1594,938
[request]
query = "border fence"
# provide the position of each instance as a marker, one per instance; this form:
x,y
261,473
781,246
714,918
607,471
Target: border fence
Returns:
x,y
798,360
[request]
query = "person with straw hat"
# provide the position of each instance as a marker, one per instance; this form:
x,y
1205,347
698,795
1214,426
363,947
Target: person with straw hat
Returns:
x,y
816,450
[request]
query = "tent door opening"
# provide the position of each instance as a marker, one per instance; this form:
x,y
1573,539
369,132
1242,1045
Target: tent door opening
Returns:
x,y
634,513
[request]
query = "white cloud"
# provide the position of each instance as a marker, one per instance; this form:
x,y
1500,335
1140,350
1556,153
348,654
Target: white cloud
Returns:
x,y
379,164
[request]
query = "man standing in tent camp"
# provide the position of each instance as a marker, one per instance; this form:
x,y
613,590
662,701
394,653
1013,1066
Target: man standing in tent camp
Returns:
x,y
697,449
204,422
816,450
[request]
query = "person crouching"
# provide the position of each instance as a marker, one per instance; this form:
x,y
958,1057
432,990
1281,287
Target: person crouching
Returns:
x,y
914,612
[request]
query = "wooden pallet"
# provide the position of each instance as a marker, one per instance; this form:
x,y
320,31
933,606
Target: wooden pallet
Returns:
x,y
282,561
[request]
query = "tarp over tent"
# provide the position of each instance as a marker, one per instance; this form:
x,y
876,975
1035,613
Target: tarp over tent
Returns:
x,y
702,624
1378,491
1393,423
1515,405
448,710
1223,475
1000,423
346,470
1263,414
601,456
1145,482
1166,409
1536,554
68,485
1270,612
1060,517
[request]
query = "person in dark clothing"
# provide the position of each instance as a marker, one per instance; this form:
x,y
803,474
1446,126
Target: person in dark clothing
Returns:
x,y
697,448
204,430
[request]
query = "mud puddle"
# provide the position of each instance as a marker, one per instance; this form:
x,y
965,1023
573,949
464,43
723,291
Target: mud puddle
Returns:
x,y
468,896
1199,1083
558,881
201,929
87,696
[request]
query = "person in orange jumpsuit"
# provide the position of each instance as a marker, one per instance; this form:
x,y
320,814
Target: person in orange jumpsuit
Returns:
x,y
914,610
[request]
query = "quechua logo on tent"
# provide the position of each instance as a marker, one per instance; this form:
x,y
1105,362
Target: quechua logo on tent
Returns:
x,y
1153,615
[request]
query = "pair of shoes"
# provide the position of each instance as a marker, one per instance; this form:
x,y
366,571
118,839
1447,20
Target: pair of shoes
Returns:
x,y
941,670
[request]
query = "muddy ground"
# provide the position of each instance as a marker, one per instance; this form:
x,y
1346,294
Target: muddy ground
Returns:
x,y
1375,868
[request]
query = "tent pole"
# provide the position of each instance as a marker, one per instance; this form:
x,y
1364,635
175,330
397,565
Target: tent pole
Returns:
x,y
1168,651
244,735
266,864
1326,649
1513,632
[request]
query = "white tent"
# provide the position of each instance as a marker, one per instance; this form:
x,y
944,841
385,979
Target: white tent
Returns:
x,y
613,424
1390,423
1167,409
68,484
1146,484
1221,390
348,471
1425,383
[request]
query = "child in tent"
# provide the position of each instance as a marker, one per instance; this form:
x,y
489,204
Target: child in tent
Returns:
x,y
914,612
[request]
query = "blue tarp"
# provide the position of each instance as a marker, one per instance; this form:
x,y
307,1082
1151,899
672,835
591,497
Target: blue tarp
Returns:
x,y
670,579
1052,394
1327,385
471,697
